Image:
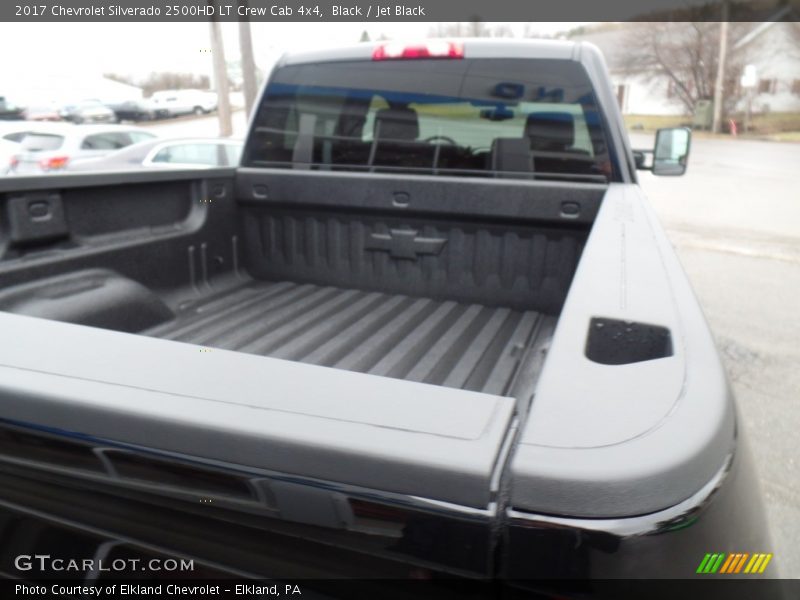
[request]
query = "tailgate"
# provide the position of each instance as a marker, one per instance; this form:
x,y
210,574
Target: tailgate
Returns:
x,y
253,412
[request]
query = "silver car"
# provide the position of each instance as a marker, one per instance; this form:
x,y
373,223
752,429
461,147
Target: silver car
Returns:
x,y
53,148
88,111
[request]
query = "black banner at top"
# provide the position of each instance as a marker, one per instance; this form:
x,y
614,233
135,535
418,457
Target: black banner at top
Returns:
x,y
396,10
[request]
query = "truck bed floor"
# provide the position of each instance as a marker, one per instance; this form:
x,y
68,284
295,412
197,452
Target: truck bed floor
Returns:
x,y
441,342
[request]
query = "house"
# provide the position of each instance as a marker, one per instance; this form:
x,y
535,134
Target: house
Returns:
x,y
772,47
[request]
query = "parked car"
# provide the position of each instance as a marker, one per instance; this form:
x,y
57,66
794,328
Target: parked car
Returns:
x,y
9,111
7,152
15,131
42,112
53,148
133,110
430,328
174,103
87,111
179,153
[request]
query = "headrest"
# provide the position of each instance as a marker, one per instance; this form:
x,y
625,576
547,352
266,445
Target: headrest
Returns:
x,y
550,131
396,124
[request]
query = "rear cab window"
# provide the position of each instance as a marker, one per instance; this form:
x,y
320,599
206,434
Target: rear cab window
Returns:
x,y
529,118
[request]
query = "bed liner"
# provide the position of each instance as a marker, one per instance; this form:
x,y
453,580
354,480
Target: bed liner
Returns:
x,y
441,342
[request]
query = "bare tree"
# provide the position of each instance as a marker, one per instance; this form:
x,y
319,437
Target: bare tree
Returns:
x,y
532,30
166,80
473,28
126,79
686,56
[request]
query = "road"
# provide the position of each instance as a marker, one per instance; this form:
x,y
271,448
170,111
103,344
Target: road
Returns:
x,y
734,219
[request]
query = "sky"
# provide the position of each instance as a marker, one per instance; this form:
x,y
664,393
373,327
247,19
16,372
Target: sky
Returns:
x,y
136,49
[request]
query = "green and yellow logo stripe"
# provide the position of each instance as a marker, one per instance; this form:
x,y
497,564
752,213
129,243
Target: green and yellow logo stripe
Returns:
x,y
734,563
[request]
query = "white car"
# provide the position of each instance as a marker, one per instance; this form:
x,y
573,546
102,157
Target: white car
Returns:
x,y
11,134
7,152
52,148
14,131
173,103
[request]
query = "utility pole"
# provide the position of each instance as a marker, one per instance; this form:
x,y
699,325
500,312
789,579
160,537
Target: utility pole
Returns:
x,y
719,94
220,78
248,64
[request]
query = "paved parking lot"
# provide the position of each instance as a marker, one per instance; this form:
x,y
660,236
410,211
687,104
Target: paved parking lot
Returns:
x,y
197,127
735,221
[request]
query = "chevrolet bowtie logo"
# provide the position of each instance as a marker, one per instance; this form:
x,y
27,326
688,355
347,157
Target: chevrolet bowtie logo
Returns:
x,y
404,243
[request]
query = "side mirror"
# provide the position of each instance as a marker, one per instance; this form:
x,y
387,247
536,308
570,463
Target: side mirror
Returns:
x,y
671,152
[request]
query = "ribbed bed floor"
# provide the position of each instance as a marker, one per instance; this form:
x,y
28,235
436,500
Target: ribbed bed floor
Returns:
x,y
445,343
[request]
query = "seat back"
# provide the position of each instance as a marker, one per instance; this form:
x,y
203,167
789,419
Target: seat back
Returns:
x,y
395,141
396,124
510,156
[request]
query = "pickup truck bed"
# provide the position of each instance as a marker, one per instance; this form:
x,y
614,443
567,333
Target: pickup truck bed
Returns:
x,y
295,319
447,343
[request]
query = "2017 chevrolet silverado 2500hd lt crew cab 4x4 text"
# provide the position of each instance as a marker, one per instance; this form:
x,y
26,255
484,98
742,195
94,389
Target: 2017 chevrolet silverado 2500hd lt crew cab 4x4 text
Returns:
x,y
430,326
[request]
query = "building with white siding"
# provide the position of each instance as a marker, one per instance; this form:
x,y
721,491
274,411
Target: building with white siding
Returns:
x,y
42,88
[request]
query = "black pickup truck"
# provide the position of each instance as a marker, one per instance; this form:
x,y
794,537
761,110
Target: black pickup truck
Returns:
x,y
430,328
